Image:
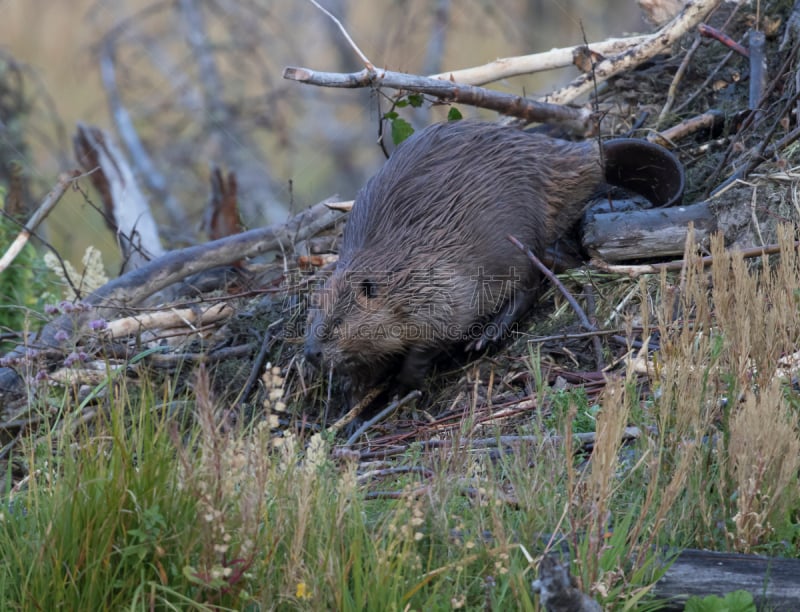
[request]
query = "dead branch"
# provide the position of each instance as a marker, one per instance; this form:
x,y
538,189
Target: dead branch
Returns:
x,y
693,13
166,319
587,324
644,234
49,202
132,288
130,137
537,62
576,119
674,266
708,32
413,395
673,86
710,120
127,211
356,410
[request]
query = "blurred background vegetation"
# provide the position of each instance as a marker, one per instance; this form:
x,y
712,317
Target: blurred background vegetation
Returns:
x,y
201,81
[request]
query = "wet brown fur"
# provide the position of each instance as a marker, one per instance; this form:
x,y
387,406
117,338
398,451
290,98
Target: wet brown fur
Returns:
x,y
425,259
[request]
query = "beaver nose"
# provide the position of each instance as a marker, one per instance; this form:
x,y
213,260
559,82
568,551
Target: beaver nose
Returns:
x,y
313,353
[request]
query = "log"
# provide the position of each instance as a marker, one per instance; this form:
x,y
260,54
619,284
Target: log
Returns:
x,y
645,234
773,582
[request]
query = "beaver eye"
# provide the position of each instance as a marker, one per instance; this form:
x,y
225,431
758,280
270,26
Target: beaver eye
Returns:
x,y
368,288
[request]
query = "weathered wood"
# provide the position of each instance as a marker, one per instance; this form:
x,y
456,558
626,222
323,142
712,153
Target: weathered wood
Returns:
x,y
134,287
127,211
773,582
646,234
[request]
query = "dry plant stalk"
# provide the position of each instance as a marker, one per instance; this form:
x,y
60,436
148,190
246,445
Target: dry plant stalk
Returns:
x,y
611,422
756,311
763,462
715,371
229,477
687,396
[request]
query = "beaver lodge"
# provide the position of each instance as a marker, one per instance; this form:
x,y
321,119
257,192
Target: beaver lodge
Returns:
x,y
642,419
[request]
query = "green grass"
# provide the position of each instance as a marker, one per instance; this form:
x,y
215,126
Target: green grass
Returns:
x,y
148,511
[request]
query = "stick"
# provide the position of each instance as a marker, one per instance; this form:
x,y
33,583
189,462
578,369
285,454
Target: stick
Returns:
x,y
49,202
758,68
356,410
382,415
673,86
557,283
634,271
693,13
537,62
708,32
364,59
579,119
708,120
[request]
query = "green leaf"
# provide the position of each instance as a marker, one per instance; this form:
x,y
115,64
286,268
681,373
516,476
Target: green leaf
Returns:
x,y
401,103
415,100
390,116
401,129
454,114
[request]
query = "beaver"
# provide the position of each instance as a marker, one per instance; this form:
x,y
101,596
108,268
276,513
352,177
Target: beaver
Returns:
x,y
425,262
557,588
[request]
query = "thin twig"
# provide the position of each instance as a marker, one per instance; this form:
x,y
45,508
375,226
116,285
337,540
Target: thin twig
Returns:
x,y
258,365
710,32
673,86
356,410
382,415
557,283
365,60
711,76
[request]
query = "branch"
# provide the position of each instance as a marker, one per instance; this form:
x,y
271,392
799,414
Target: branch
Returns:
x,y
132,288
693,13
49,202
130,137
506,67
578,119
673,266
127,211
368,64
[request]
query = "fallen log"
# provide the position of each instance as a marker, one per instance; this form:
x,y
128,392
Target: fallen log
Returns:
x,y
773,582
646,234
